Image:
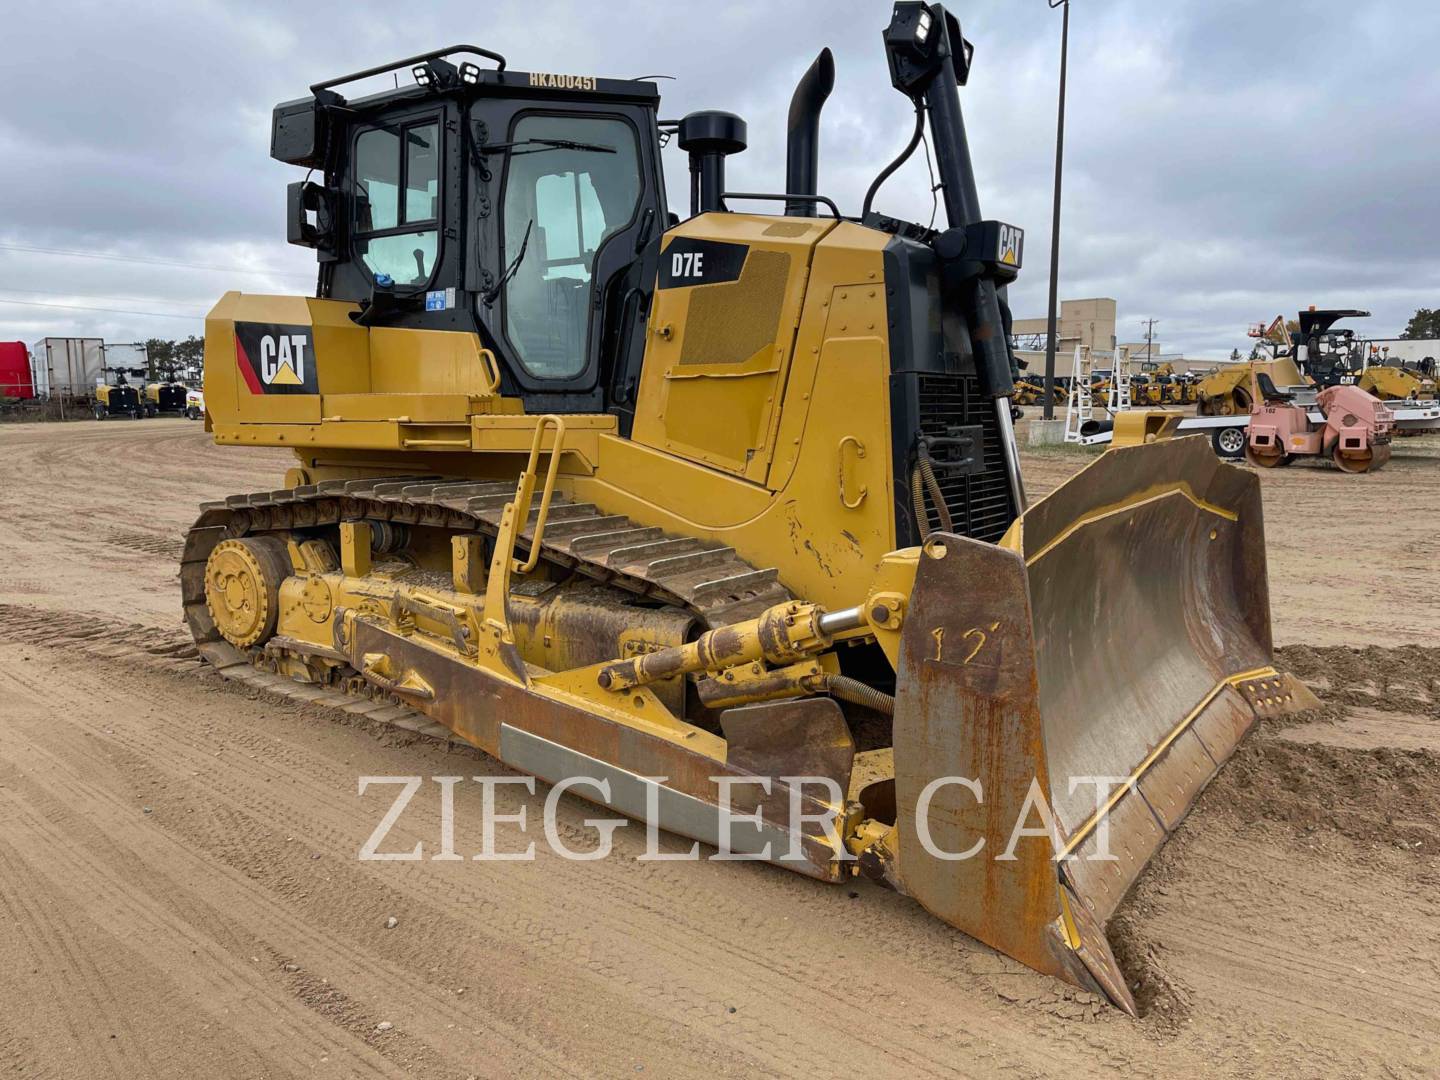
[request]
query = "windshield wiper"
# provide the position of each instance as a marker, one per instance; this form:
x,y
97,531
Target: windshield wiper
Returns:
x,y
538,146
490,297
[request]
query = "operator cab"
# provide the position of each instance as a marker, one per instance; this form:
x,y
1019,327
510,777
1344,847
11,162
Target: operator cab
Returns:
x,y
526,212
1328,355
507,204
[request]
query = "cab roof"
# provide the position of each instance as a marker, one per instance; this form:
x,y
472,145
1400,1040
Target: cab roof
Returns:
x,y
1319,321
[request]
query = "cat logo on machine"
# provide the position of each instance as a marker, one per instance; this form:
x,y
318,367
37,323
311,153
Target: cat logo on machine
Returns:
x,y
276,359
282,360
1012,242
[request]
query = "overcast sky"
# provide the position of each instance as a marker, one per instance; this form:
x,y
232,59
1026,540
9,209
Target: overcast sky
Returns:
x,y
1226,160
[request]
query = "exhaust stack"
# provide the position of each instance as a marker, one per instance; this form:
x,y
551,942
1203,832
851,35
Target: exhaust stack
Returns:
x,y
802,147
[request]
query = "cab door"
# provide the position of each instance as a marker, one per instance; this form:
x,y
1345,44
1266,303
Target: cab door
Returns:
x,y
567,195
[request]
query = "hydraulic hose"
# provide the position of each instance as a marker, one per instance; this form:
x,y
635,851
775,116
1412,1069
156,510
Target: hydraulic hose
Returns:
x,y
932,485
859,693
922,480
917,502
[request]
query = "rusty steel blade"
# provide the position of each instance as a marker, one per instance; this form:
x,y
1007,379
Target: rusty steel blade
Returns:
x,y
1105,660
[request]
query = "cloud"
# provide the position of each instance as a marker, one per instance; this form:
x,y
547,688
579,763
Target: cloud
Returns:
x,y
1225,161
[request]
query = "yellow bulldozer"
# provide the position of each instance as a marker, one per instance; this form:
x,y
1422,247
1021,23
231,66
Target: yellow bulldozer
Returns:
x,y
1030,389
1145,390
1100,382
1187,388
720,520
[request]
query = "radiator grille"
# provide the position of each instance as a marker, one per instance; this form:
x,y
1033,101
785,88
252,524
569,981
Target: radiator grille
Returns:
x,y
979,504
730,323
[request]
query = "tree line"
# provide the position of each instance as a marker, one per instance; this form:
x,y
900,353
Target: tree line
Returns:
x,y
176,361
1424,324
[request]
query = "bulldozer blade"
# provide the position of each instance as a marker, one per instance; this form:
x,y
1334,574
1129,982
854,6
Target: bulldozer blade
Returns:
x,y
1063,698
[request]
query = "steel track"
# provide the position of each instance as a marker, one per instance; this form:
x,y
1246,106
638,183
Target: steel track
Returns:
x,y
706,578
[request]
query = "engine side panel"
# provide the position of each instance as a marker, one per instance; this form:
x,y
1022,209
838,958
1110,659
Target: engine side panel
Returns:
x,y
722,336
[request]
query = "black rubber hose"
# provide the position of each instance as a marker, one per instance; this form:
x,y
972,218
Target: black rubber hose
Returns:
x,y
904,156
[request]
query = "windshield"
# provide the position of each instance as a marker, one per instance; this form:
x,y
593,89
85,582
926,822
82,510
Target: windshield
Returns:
x,y
576,182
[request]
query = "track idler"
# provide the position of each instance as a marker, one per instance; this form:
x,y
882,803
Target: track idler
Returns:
x,y
242,587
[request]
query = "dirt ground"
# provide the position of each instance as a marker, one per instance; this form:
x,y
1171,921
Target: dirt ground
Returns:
x,y
180,894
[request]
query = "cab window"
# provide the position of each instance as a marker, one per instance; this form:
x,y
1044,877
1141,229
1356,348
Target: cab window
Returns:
x,y
571,182
397,202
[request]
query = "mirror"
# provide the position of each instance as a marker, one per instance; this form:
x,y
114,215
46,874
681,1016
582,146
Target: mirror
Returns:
x,y
310,215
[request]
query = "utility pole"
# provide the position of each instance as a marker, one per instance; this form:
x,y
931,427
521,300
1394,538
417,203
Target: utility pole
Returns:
x,y
1149,338
1055,220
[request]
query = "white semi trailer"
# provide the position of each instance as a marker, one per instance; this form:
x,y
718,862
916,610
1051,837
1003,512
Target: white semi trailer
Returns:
x,y
67,369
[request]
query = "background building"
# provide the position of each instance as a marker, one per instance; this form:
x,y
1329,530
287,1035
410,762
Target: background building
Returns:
x,y
1091,324
1088,323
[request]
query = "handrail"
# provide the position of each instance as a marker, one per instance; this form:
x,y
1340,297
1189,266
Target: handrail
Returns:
x,y
492,371
523,512
512,523
788,197
394,64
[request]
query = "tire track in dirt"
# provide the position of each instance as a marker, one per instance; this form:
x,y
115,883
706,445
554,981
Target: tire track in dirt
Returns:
x,y
132,909
75,985
251,743
608,954
57,522
513,919
169,547
106,967
97,636
48,837
803,955
121,848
